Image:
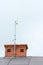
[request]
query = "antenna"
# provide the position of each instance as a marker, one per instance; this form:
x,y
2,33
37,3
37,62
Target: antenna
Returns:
x,y
15,39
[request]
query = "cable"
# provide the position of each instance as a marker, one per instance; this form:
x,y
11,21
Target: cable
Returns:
x,y
9,61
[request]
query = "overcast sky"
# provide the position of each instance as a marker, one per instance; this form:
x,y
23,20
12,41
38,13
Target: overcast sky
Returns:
x,y
30,24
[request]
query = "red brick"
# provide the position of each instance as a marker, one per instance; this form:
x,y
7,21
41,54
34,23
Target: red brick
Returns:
x,y
18,47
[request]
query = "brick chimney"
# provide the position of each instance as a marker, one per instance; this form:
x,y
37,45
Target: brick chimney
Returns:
x,y
20,50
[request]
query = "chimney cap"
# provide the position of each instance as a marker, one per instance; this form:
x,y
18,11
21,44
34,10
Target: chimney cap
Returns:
x,y
16,45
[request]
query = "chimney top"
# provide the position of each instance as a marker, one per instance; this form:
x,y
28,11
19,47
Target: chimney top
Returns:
x,y
20,49
16,45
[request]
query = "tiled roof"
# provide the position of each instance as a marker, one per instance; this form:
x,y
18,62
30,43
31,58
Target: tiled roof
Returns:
x,y
21,60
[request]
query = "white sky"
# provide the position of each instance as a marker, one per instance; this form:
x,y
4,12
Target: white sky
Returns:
x,y
30,27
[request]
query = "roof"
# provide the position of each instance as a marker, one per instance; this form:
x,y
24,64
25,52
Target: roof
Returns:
x,y
21,60
16,45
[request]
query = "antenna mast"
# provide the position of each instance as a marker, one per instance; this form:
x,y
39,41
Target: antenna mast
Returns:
x,y
15,39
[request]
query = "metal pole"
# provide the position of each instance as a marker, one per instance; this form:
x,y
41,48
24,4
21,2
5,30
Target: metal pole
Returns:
x,y
15,41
